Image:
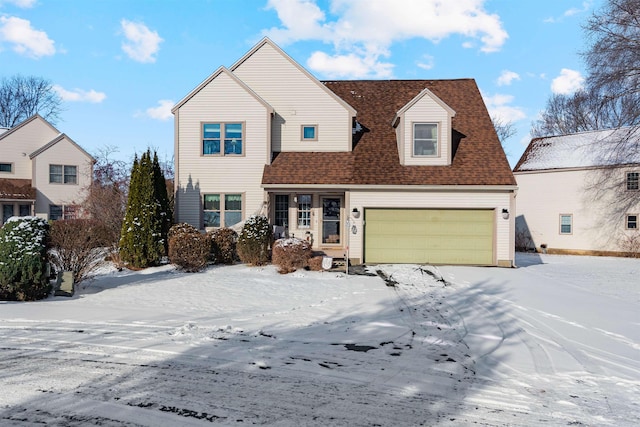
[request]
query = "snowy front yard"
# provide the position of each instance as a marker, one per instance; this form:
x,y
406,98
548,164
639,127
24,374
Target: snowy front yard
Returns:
x,y
555,342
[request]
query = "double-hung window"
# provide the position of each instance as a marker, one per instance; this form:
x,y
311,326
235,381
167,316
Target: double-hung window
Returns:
x,y
633,181
304,211
566,224
632,222
222,139
425,139
222,210
63,174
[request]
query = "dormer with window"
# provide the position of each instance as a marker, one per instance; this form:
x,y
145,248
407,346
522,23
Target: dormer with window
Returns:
x,y
423,131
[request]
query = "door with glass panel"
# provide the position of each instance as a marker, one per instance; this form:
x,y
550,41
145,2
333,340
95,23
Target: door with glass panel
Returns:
x,y
331,207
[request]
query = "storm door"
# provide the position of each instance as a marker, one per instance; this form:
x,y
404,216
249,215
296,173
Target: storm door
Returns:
x,y
331,220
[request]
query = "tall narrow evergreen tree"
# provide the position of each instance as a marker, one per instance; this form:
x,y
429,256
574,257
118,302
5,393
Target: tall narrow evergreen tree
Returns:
x,y
144,229
160,186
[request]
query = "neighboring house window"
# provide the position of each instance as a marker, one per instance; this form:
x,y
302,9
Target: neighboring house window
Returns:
x,y
309,132
222,138
63,174
7,212
632,222
55,212
6,167
282,210
25,210
425,139
566,224
304,211
633,179
222,210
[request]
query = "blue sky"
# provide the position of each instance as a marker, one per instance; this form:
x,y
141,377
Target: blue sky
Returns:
x,y
120,65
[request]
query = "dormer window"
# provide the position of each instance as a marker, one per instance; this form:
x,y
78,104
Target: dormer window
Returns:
x,y
425,139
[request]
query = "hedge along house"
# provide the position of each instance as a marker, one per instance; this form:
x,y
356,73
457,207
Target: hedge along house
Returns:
x,y
43,172
391,171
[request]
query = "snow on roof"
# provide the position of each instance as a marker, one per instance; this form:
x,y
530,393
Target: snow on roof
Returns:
x,y
582,150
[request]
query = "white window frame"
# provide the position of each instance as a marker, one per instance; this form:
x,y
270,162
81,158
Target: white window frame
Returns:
x,y
7,164
627,222
414,140
570,216
222,140
304,210
222,208
65,174
633,182
315,132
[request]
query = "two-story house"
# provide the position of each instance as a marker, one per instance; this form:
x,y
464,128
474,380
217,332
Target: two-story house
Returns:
x,y
43,172
389,171
580,193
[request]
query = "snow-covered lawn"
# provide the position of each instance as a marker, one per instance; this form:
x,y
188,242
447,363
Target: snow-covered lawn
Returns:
x,y
554,342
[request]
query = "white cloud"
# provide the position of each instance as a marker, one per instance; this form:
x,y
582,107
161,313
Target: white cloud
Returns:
x,y
24,4
79,95
574,11
161,112
498,106
350,65
368,29
507,77
427,62
141,43
568,82
25,39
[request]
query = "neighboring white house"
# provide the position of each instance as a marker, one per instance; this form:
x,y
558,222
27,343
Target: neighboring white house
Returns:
x,y
42,172
579,193
388,170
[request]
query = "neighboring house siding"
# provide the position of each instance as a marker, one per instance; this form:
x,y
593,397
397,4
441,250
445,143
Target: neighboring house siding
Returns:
x,y
18,145
62,153
297,100
426,110
438,200
597,222
222,100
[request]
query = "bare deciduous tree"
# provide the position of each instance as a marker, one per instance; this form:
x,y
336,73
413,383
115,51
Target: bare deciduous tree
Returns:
x,y
22,97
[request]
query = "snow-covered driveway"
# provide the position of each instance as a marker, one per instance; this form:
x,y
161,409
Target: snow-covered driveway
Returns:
x,y
554,342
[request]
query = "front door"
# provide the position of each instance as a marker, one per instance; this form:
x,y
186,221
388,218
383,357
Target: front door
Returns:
x,y
331,207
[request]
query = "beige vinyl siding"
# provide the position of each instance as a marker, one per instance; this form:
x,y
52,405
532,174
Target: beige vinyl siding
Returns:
x,y
427,110
598,223
63,152
494,200
17,146
222,100
298,100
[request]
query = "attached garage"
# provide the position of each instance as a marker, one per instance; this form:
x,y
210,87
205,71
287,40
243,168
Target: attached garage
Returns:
x,y
429,236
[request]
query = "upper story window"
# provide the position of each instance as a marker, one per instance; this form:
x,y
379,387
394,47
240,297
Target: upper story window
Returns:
x,y
633,179
566,224
309,132
222,139
425,139
632,222
63,174
6,167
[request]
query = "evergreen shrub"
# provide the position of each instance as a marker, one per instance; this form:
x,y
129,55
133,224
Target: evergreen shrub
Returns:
x,y
290,254
189,251
223,245
254,240
23,259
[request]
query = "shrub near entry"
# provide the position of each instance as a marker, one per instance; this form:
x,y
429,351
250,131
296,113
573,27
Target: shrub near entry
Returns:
x,y
223,245
23,259
254,240
291,254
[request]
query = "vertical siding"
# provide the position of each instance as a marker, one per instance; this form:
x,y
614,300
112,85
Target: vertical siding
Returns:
x,y
436,200
427,110
597,223
62,153
222,100
297,101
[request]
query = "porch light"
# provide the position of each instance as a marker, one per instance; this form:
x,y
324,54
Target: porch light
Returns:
x,y
505,213
355,213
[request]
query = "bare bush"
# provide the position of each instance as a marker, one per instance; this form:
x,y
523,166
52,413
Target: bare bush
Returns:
x,y
223,245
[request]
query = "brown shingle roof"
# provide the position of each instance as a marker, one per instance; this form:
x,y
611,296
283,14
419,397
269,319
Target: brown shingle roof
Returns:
x,y
16,189
479,159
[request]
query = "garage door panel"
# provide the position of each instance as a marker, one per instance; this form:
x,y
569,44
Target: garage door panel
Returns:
x,y
436,236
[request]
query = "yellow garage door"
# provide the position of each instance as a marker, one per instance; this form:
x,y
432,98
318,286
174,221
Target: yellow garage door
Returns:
x,y
429,236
